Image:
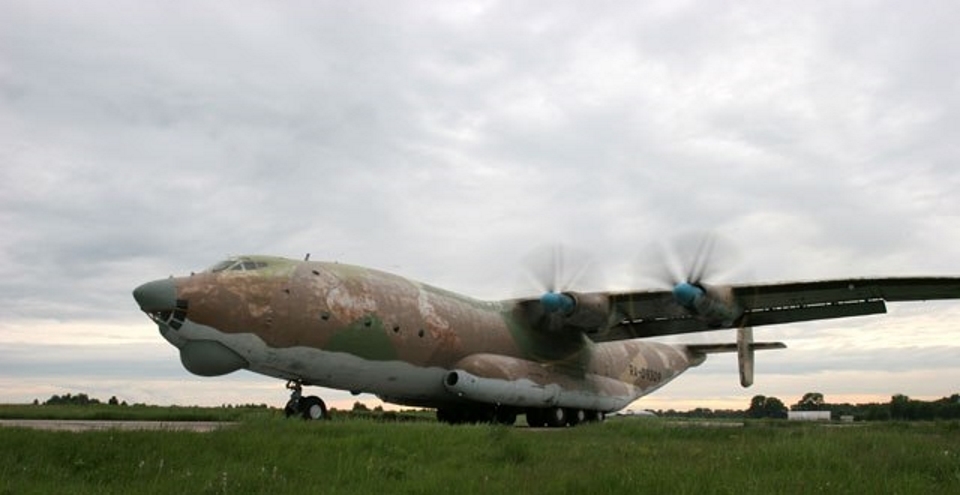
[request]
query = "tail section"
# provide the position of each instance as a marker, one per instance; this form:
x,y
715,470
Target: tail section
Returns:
x,y
745,355
744,347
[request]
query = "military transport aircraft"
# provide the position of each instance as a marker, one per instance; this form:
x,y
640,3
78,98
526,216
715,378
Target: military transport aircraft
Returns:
x,y
560,359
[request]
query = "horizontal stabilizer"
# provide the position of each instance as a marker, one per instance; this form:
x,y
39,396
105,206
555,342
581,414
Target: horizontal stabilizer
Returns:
x,y
732,347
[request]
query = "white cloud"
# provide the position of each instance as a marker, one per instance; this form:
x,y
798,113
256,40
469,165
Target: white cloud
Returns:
x,y
446,141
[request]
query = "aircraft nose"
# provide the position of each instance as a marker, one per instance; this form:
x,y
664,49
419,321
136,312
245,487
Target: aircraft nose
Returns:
x,y
157,295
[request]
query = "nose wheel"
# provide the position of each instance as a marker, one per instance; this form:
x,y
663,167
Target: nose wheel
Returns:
x,y
310,407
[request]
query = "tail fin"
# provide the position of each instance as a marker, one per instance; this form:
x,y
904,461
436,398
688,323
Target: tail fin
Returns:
x,y
745,355
744,347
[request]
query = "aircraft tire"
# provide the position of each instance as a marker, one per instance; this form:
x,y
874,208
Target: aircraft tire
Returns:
x,y
575,416
312,408
482,415
506,416
453,415
556,417
536,418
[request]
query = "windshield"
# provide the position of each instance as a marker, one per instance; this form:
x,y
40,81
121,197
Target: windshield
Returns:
x,y
221,266
240,264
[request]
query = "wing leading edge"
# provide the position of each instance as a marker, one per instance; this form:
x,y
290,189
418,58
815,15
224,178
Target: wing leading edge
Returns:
x,y
656,313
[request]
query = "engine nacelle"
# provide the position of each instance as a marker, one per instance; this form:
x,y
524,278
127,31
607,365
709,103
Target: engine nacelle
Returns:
x,y
591,311
714,304
495,379
586,311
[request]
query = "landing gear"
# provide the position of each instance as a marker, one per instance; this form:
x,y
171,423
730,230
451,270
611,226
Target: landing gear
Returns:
x,y
506,416
313,408
536,418
576,416
558,417
594,416
310,407
477,413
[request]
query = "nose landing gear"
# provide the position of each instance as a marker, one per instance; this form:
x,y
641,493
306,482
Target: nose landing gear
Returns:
x,y
309,407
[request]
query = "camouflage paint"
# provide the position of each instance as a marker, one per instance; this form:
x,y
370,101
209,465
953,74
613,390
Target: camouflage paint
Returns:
x,y
355,328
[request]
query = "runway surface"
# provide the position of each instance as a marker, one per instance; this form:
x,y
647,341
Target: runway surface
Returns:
x,y
78,425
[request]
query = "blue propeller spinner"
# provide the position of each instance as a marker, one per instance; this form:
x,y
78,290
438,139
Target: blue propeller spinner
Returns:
x,y
557,302
686,294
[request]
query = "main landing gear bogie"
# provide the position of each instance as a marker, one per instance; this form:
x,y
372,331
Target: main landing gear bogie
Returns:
x,y
553,417
475,414
310,407
559,417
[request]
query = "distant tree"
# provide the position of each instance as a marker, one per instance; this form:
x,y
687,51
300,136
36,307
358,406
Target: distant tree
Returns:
x,y
900,407
774,408
36,402
811,401
360,407
756,407
949,407
75,400
113,401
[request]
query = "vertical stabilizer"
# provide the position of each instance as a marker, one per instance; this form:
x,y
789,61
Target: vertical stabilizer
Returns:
x,y
745,355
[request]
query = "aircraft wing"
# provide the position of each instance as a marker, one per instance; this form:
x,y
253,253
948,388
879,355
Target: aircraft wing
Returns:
x,y
656,313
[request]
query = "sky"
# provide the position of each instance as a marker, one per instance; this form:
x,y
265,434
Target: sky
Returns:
x,y
447,141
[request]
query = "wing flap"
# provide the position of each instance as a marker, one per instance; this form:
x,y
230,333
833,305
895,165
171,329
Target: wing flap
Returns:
x,y
773,316
656,313
834,291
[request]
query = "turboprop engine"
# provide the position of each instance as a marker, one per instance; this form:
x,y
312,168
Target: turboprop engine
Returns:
x,y
714,304
588,312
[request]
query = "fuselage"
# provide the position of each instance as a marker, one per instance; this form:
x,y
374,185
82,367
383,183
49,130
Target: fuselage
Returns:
x,y
352,328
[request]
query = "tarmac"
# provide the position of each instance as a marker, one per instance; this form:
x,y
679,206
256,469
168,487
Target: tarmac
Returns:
x,y
76,425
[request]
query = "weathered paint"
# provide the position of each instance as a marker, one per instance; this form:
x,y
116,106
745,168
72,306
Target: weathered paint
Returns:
x,y
359,329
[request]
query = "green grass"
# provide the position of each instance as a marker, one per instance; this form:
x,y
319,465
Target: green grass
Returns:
x,y
130,413
268,454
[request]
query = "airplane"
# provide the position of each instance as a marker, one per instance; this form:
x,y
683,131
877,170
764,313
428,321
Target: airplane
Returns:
x,y
560,359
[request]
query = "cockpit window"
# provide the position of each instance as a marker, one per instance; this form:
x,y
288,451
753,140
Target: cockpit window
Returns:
x,y
221,266
237,265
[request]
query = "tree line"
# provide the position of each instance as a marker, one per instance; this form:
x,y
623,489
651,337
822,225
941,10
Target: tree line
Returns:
x,y
899,408
78,400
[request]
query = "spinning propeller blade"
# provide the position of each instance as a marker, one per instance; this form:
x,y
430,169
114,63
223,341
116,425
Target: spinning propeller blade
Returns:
x,y
688,265
554,270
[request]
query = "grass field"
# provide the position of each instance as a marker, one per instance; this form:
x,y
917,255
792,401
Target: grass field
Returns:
x,y
268,454
137,412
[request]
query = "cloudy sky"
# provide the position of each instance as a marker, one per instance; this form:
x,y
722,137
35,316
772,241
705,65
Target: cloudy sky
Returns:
x,y
447,140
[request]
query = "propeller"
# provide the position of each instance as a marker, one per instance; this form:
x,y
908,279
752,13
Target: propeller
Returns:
x,y
554,270
693,264
688,265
